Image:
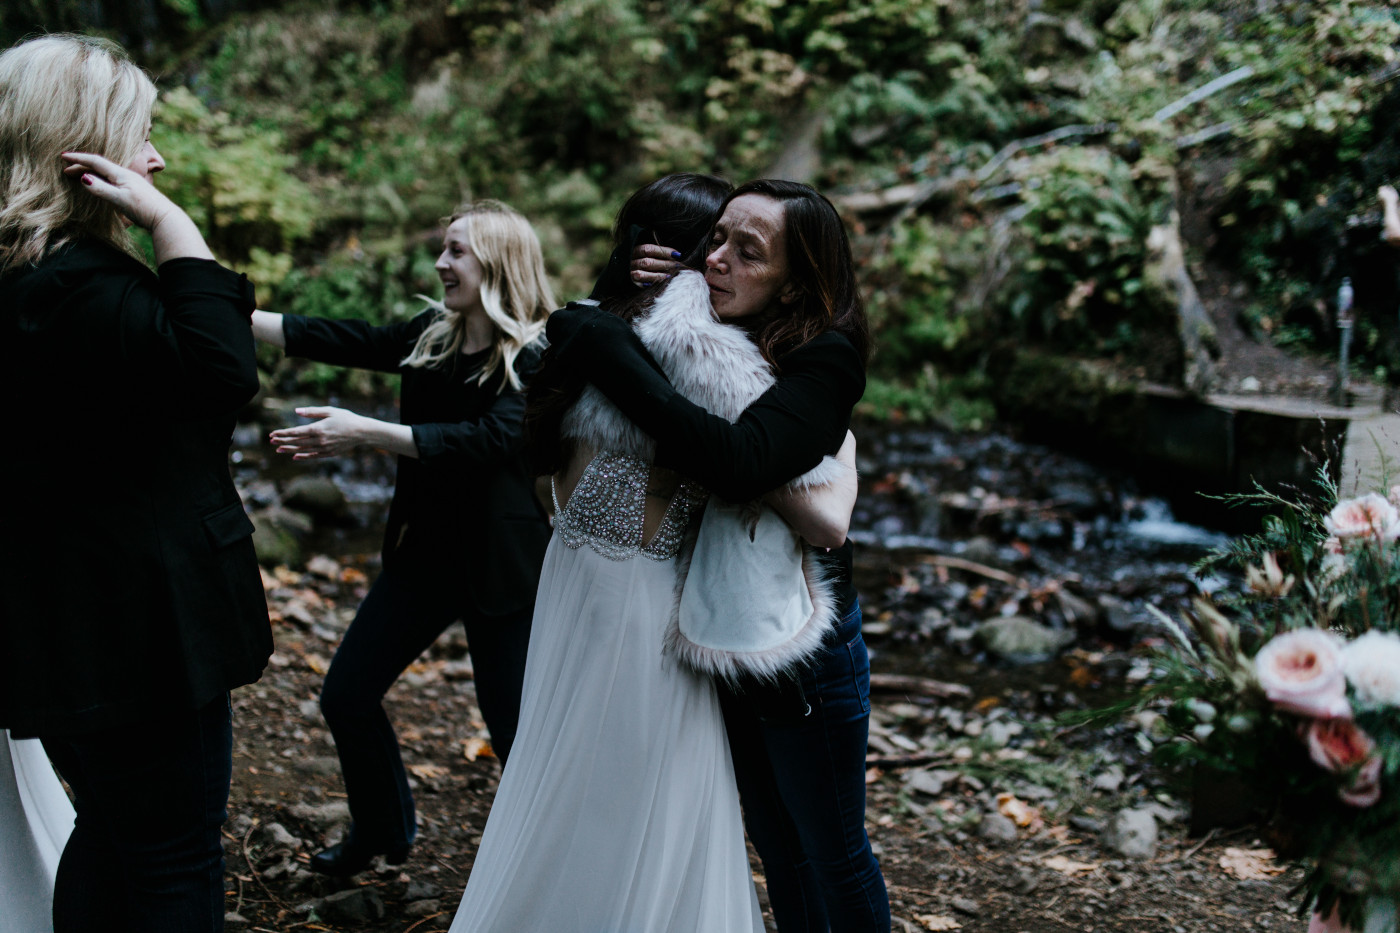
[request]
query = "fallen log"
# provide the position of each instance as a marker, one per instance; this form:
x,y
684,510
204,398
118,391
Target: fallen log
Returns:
x,y
922,686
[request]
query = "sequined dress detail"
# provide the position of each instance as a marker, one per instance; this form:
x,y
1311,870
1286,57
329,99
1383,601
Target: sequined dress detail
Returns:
x,y
607,510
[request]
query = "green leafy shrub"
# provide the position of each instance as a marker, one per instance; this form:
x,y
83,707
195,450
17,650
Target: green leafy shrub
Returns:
x,y
236,183
1084,229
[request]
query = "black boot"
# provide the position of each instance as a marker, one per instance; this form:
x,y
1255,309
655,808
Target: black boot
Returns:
x,y
352,857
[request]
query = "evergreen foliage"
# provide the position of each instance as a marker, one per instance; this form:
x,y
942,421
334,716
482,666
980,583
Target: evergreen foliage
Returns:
x,y
313,137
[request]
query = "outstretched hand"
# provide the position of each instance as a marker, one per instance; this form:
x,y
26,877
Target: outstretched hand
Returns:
x,y
133,195
335,431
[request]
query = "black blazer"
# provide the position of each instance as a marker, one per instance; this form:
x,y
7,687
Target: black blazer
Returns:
x,y
466,500
128,582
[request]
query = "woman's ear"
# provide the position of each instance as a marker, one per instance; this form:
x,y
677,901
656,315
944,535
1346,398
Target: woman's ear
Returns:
x,y
789,293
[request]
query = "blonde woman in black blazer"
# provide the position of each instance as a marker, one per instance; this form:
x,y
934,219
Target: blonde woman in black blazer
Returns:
x,y
465,536
131,597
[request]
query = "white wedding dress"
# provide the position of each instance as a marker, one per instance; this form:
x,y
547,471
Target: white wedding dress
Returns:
x,y
35,820
617,812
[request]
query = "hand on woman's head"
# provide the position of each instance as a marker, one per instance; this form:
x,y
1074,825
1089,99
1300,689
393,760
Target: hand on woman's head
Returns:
x,y
652,263
132,193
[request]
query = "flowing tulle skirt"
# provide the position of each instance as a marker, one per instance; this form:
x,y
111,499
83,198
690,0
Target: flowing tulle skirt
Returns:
x,y
618,811
35,820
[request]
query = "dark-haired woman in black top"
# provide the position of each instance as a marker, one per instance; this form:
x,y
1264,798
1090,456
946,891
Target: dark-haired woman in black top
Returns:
x,y
780,262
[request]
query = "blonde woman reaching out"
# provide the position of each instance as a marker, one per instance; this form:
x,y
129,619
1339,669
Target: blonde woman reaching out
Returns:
x,y
465,536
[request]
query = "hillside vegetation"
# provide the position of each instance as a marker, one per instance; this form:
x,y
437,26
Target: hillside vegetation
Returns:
x,y
1002,163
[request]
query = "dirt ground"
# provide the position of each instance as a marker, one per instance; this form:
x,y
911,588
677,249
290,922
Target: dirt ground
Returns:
x,y
1054,874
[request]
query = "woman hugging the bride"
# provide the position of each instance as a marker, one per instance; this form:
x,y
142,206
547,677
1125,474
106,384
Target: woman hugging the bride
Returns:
x,y
619,810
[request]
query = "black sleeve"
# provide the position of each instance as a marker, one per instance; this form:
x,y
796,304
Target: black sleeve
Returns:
x,y
786,432
189,339
490,440
783,434
353,343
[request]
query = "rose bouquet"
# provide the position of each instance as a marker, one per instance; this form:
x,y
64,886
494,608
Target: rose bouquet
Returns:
x,y
1292,684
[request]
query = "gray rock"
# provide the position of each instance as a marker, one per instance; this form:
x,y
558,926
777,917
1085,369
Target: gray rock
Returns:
x,y
1021,640
1133,834
423,908
275,834
1167,284
1086,824
1109,779
233,920
1001,732
422,890
277,534
357,905
322,816
997,828
925,782
318,496
965,905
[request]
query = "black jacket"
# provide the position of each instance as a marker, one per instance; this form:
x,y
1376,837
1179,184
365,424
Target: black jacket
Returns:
x,y
466,499
128,575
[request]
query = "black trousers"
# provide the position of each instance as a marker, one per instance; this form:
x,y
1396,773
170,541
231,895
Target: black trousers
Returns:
x,y
151,797
409,606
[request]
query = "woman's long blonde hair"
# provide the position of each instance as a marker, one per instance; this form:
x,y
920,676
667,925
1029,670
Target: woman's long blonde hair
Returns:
x,y
514,292
64,93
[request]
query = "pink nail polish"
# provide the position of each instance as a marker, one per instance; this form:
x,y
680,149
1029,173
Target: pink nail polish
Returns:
x,y
87,180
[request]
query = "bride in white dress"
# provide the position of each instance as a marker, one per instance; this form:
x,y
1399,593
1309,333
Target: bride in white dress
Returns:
x,y
35,820
618,811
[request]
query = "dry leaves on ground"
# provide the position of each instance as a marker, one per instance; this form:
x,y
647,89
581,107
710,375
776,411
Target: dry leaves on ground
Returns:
x,y
1068,866
936,922
1251,864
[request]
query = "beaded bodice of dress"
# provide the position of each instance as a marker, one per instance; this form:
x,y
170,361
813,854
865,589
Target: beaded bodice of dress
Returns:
x,y
607,510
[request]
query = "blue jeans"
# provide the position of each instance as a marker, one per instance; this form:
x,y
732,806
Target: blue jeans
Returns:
x,y
145,855
799,759
410,605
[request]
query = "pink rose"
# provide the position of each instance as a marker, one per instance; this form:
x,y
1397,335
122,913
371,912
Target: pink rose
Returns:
x,y
1337,745
1368,516
1301,672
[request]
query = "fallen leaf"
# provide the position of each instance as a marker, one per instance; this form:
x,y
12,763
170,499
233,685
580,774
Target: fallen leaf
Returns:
x,y
872,775
317,664
286,575
353,576
1018,811
269,582
1251,864
1068,866
936,922
428,771
475,748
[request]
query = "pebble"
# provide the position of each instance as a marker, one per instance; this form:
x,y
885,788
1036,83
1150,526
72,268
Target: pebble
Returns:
x,y
965,905
925,782
1109,779
322,816
422,890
